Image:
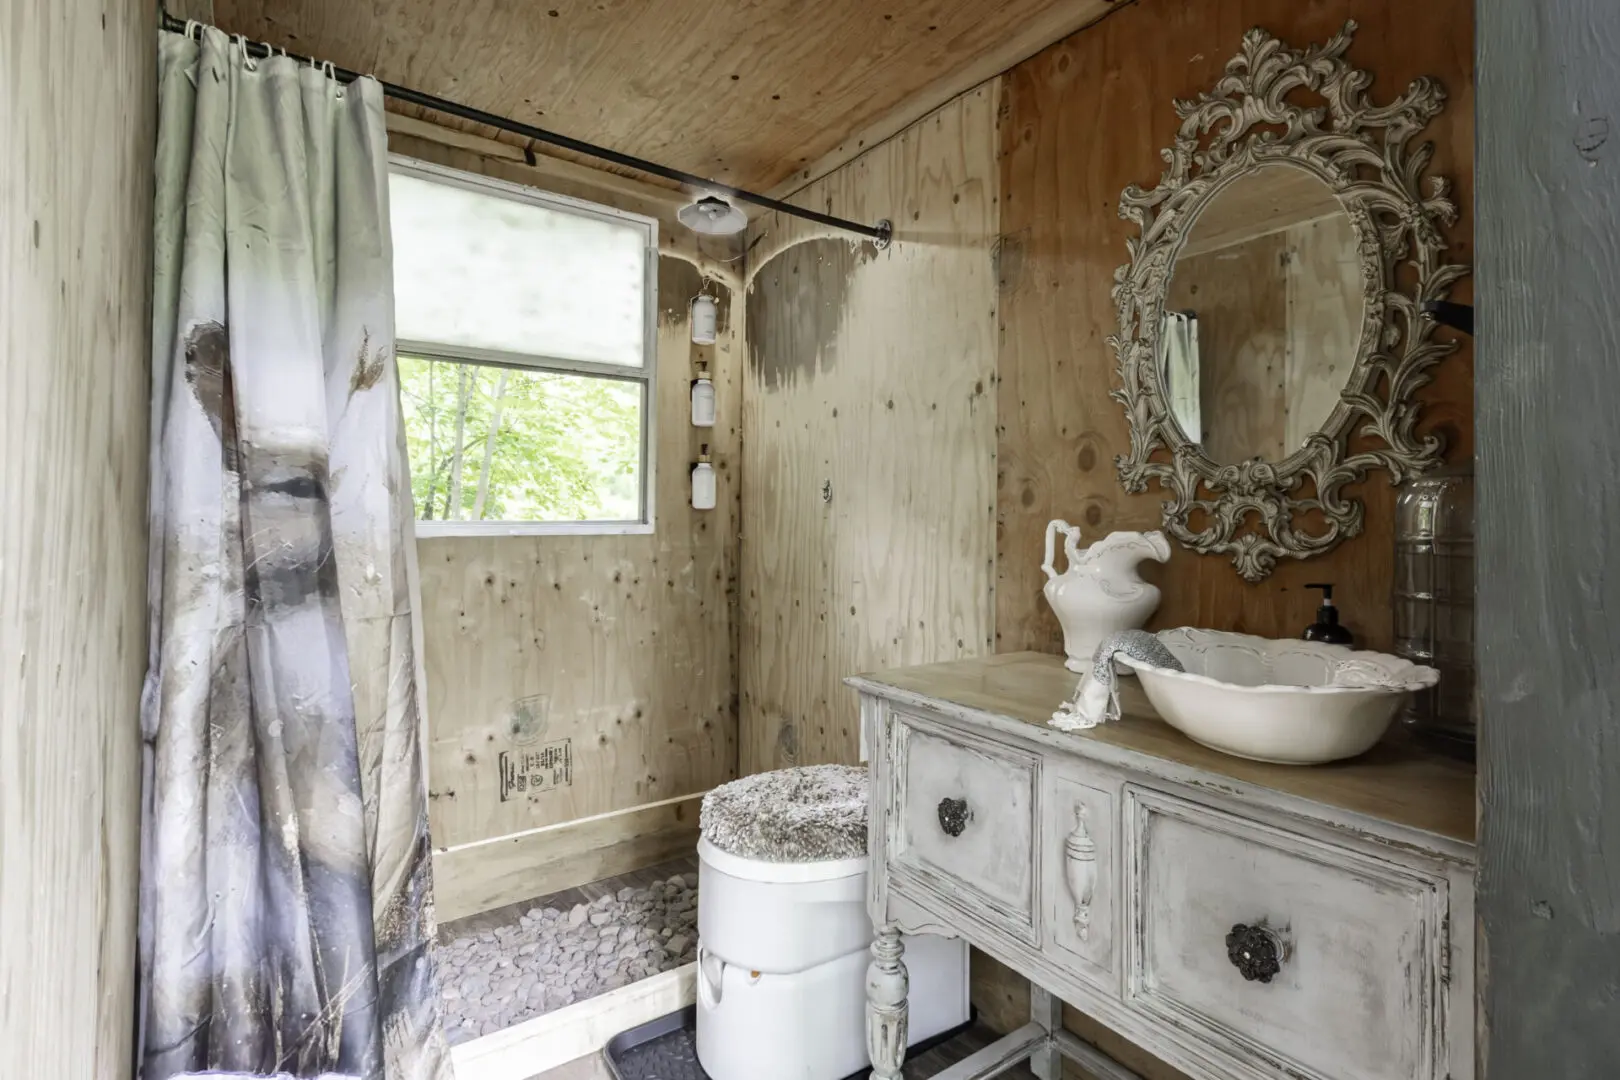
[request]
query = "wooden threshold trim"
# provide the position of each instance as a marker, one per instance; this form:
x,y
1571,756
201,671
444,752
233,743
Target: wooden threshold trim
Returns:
x,y
547,1042
476,877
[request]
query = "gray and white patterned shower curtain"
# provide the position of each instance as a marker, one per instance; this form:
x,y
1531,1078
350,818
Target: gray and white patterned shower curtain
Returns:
x,y
286,878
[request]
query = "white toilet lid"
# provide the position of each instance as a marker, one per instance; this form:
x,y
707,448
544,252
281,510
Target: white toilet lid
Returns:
x,y
813,813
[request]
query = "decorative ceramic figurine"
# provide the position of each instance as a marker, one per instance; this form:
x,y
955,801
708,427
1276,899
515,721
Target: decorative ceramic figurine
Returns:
x,y
1100,593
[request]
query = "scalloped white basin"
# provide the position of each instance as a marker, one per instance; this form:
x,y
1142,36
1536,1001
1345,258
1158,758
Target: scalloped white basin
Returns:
x,y
1284,701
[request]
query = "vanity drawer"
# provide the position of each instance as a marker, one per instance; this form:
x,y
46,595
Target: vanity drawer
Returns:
x,y
1356,994
965,819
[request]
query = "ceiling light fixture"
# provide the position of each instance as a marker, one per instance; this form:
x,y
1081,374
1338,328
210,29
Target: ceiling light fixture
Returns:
x,y
712,216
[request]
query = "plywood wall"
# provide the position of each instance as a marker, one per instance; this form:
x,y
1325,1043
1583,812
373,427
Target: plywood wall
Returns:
x,y
1081,121
1240,297
1279,319
1324,321
616,651
77,114
869,415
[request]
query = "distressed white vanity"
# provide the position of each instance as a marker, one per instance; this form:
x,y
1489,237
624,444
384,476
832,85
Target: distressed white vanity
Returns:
x,y
1238,920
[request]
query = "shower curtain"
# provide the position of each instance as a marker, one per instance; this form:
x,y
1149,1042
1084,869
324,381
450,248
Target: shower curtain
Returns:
x,y
286,904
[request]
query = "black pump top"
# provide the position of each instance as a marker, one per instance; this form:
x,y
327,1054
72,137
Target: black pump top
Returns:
x,y
1326,628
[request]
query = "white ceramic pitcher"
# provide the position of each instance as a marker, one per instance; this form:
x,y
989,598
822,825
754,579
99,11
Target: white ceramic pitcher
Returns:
x,y
1100,593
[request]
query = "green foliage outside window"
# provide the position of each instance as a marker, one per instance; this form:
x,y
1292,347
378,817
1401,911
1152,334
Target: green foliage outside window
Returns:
x,y
509,444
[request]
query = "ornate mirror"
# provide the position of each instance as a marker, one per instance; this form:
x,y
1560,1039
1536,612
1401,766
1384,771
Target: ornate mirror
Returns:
x,y
1272,306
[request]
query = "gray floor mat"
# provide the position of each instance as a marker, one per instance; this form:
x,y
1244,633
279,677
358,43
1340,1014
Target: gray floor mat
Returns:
x,y
666,1049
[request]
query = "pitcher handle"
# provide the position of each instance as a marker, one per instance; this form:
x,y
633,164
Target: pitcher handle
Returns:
x,y
1071,538
1160,546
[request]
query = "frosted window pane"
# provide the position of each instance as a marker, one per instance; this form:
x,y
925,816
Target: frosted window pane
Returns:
x,y
479,270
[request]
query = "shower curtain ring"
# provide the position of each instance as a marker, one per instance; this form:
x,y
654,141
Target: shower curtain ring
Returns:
x,y
248,63
193,25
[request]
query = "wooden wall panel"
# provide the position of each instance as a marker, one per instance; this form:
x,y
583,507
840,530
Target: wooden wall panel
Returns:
x,y
1324,321
1081,121
1549,515
620,645
77,120
624,646
489,874
869,412
1279,317
1240,296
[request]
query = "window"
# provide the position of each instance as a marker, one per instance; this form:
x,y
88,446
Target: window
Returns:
x,y
525,336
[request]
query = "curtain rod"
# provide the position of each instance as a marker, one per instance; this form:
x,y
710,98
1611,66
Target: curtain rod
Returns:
x,y
879,233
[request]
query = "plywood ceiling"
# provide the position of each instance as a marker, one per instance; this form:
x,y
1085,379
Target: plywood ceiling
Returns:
x,y
1262,203
755,93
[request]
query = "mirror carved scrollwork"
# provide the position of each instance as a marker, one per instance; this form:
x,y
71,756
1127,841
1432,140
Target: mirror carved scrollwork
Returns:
x,y
1301,109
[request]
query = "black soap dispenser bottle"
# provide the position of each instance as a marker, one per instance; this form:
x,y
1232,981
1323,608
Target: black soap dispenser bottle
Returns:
x,y
1327,627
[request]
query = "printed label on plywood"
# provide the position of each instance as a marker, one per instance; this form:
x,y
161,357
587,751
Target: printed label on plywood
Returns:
x,y
529,772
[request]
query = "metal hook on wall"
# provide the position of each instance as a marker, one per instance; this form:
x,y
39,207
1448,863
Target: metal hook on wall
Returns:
x,y
1456,316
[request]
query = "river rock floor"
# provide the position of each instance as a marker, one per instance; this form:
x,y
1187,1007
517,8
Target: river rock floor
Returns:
x,y
557,950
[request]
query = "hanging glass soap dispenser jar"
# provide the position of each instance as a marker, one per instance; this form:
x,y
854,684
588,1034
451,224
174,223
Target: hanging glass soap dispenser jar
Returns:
x,y
1434,602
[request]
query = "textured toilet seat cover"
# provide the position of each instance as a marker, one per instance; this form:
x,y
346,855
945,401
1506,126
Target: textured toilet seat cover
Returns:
x,y
807,814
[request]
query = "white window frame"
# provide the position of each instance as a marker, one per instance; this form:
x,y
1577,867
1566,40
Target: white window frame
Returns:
x,y
646,375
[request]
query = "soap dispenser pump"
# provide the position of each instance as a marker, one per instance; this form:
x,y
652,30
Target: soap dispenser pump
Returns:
x,y
1327,627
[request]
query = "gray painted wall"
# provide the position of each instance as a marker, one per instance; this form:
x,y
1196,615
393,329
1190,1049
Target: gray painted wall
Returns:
x,y
1548,436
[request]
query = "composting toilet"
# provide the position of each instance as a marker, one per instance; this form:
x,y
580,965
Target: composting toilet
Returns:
x,y
783,932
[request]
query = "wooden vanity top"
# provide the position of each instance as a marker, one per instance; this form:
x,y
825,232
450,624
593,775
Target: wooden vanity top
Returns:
x,y
1396,781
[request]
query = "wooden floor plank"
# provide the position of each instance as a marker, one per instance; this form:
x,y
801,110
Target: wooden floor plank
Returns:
x,y
942,1057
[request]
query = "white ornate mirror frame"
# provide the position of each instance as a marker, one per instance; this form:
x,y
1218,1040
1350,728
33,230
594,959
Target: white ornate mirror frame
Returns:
x,y
1360,150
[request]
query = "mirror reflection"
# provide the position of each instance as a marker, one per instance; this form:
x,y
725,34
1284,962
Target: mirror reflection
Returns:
x,y
1263,316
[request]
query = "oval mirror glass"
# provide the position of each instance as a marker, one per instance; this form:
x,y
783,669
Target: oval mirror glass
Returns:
x,y
1263,316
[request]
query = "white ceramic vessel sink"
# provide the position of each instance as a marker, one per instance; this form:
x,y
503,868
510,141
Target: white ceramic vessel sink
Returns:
x,y
1286,701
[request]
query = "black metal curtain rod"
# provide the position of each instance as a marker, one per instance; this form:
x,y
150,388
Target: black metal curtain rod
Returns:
x,y
881,232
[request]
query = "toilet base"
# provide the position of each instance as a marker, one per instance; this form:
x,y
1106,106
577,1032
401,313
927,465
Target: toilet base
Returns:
x,y
811,1024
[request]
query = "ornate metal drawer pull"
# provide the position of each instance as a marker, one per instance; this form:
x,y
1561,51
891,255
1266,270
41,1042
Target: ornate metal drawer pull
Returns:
x,y
954,816
1257,952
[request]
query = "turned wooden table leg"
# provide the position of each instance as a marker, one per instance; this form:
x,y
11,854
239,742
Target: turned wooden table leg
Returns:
x,y
887,986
